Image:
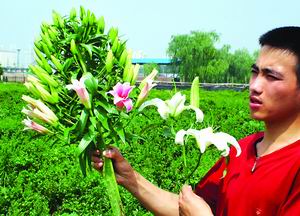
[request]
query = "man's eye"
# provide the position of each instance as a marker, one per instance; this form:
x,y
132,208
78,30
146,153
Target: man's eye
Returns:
x,y
254,71
272,77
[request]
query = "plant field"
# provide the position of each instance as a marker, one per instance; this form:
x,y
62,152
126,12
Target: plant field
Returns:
x,y
41,176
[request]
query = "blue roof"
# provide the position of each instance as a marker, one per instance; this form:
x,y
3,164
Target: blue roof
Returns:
x,y
164,61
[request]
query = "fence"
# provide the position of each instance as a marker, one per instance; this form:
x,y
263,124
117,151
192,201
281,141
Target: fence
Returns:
x,y
161,84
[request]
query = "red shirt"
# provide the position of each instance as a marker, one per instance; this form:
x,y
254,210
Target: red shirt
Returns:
x,y
268,185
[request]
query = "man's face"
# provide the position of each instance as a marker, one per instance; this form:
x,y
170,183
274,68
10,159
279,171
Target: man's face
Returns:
x,y
274,94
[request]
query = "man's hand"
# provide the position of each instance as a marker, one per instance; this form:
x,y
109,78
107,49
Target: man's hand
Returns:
x,y
125,175
192,205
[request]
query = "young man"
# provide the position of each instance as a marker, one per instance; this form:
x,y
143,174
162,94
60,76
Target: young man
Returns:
x,y
265,178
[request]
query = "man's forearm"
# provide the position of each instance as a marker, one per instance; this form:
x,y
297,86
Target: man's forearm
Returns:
x,y
156,200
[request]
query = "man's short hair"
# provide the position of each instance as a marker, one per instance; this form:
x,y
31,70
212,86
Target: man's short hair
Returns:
x,y
286,38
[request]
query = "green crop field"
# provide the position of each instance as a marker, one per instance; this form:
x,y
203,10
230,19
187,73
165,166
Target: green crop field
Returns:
x,y
40,175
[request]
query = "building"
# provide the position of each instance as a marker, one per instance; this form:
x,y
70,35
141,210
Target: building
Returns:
x,y
166,71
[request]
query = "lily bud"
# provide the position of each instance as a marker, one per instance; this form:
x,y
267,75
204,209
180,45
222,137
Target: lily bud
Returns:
x,y
123,58
101,25
29,124
43,75
151,76
135,73
81,91
57,63
109,61
144,93
115,45
195,93
113,34
32,89
73,47
45,95
73,13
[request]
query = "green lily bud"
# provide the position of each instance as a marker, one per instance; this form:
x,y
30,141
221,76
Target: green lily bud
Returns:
x,y
42,61
92,19
151,76
73,13
82,13
109,61
44,94
31,88
43,75
57,19
38,61
37,44
54,94
113,34
194,100
135,69
115,45
57,63
127,74
101,25
90,82
123,58
73,47
45,49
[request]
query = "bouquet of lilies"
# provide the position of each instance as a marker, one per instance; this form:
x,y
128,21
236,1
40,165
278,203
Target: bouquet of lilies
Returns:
x,y
83,88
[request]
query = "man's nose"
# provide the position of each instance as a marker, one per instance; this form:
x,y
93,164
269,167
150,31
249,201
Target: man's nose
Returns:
x,y
256,84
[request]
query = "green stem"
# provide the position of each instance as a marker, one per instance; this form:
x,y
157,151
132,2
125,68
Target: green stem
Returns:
x,y
112,188
197,165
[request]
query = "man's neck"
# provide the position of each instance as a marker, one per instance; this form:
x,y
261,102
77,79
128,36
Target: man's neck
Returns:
x,y
279,134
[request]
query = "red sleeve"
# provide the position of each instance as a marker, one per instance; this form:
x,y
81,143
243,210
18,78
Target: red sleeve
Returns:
x,y
208,187
292,205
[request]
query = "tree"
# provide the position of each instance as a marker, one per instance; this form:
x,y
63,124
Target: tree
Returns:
x,y
1,70
195,54
239,66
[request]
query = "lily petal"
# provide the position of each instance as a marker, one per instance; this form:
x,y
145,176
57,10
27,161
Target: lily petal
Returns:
x,y
163,109
199,113
228,139
179,138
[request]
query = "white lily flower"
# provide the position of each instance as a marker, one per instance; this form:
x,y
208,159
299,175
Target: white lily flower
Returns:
x,y
206,137
172,107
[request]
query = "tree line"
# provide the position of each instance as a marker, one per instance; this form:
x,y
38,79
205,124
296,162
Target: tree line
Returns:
x,y
196,54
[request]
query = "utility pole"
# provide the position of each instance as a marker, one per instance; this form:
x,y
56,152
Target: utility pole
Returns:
x,y
18,58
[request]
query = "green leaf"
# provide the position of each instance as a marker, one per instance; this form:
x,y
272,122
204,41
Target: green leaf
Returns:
x,y
88,48
82,121
85,141
101,116
120,131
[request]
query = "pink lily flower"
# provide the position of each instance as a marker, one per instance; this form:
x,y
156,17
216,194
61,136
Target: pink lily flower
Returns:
x,y
29,124
144,92
81,91
121,93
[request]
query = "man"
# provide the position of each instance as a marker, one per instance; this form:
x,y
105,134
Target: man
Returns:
x,y
265,178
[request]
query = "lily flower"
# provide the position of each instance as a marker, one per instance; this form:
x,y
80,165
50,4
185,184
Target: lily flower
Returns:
x,y
172,107
121,93
81,91
206,137
31,125
145,92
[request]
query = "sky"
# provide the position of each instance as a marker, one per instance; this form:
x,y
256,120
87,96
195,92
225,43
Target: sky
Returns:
x,y
148,25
